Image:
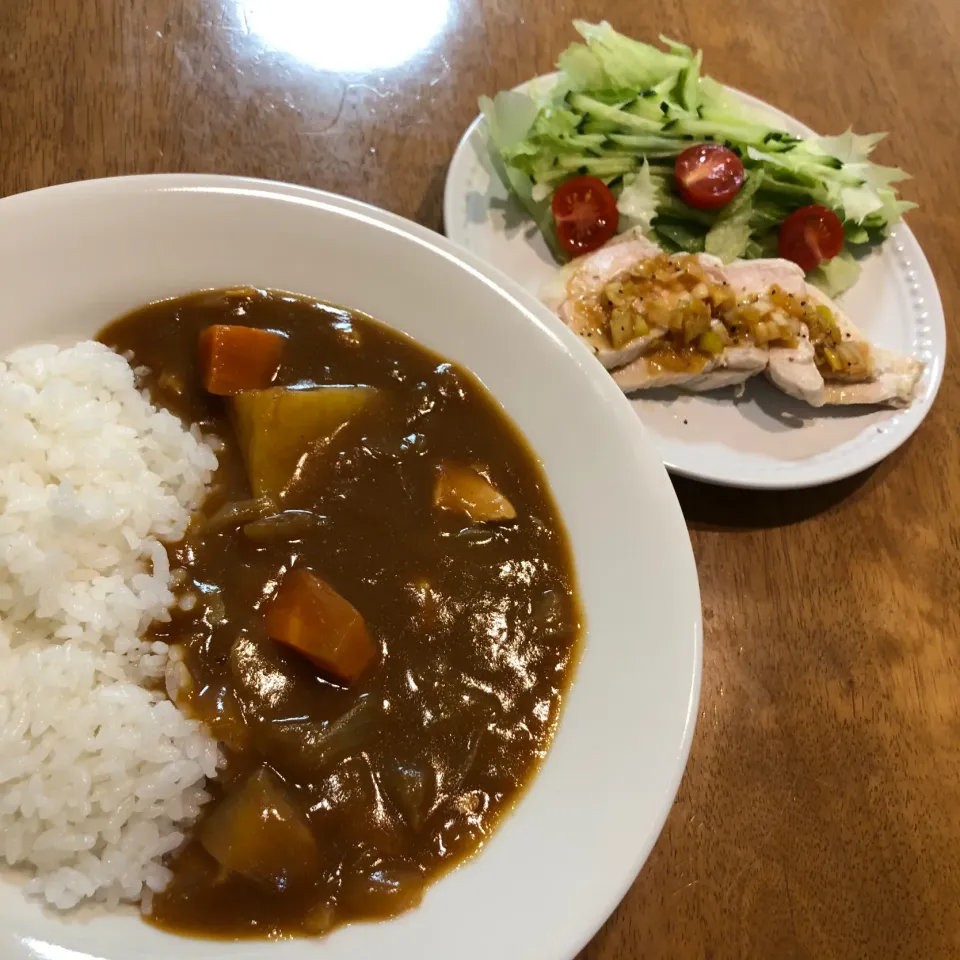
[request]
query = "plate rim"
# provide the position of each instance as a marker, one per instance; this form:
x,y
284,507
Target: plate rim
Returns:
x,y
771,477
641,446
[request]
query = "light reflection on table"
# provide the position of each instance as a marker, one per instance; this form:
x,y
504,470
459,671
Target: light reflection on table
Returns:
x,y
350,37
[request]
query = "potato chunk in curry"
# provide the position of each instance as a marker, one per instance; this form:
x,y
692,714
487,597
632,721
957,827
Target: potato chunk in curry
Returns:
x,y
466,490
276,427
258,833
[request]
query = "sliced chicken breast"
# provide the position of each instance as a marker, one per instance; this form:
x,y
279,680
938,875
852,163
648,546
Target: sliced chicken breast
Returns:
x,y
894,382
895,376
758,276
892,378
571,294
794,371
585,281
587,274
729,369
790,369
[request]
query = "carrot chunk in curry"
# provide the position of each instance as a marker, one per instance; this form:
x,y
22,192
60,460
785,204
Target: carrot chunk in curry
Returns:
x,y
310,616
235,358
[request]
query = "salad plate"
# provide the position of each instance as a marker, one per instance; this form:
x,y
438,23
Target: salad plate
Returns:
x,y
761,438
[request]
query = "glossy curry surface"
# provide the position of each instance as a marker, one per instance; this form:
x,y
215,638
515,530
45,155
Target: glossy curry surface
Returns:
x,y
384,783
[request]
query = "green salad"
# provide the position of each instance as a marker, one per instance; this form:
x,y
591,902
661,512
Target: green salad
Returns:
x,y
635,137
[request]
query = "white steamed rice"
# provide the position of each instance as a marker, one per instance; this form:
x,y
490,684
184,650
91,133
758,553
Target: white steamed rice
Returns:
x,y
98,775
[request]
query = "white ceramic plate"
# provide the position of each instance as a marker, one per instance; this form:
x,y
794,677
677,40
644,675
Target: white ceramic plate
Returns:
x,y
73,257
765,439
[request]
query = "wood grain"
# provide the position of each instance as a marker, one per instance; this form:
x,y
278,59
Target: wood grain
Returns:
x,y
820,813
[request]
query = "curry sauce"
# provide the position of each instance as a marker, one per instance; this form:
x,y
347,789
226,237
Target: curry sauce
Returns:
x,y
353,797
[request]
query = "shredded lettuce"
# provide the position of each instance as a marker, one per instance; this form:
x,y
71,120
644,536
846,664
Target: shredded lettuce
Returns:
x,y
836,276
509,116
627,63
728,239
677,235
622,111
581,68
859,202
676,48
848,147
639,199
729,236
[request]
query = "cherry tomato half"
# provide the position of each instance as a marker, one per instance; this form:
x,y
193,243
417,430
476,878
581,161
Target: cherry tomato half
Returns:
x,y
586,215
708,176
811,235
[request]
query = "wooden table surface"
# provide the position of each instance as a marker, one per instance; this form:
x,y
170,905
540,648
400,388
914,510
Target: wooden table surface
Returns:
x,y
819,815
